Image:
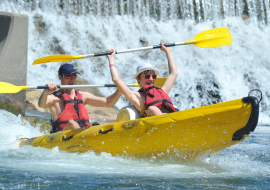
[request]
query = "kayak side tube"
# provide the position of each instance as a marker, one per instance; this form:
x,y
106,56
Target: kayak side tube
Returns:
x,y
253,119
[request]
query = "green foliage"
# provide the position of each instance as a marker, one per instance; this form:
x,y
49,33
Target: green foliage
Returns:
x,y
43,124
10,107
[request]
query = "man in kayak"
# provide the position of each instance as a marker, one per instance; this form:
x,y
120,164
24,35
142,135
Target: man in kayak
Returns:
x,y
67,105
149,100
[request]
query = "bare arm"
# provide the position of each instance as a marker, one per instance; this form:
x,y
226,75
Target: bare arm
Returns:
x,y
172,69
93,100
132,96
46,100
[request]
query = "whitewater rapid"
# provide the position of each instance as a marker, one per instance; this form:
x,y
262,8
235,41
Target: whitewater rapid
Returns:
x,y
248,159
206,76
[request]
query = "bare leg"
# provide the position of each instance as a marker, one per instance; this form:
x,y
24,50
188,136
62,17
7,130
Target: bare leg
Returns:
x,y
72,125
153,110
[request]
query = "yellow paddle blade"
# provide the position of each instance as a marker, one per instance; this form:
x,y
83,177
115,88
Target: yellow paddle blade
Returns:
x,y
212,38
136,85
160,81
10,88
57,58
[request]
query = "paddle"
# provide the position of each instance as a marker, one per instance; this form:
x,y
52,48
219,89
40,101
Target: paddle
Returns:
x,y
206,39
10,88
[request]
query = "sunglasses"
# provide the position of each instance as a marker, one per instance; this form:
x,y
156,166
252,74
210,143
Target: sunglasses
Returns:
x,y
154,76
69,76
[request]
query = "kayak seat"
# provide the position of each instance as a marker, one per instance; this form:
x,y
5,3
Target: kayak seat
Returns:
x,y
128,113
95,123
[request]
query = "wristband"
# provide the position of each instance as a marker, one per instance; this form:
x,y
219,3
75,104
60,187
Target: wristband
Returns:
x,y
112,65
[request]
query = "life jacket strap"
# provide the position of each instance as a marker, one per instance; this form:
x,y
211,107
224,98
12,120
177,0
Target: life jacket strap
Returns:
x,y
165,103
73,101
76,102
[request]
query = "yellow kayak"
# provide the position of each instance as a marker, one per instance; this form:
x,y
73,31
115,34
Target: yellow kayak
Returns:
x,y
182,134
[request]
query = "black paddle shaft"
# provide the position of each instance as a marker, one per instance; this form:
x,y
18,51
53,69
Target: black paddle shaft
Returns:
x,y
46,87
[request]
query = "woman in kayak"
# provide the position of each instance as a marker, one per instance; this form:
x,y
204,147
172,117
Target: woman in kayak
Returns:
x,y
149,100
67,105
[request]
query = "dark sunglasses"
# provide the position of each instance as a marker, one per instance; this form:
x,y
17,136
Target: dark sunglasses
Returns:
x,y
154,76
69,76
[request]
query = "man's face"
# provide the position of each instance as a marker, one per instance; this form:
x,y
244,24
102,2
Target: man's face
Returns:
x,y
68,79
147,78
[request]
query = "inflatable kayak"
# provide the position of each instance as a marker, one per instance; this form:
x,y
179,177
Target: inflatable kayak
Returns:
x,y
183,134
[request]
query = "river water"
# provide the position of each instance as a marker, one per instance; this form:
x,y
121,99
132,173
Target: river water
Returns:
x,y
206,76
243,166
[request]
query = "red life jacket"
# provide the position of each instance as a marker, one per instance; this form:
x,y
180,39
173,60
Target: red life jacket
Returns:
x,y
155,96
73,109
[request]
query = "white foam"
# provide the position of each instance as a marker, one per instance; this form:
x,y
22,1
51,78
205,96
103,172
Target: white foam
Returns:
x,y
12,128
246,159
235,69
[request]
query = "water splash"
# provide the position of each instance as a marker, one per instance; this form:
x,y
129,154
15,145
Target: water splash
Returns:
x,y
198,10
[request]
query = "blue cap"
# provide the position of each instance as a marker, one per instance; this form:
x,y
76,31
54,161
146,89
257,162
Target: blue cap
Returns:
x,y
67,69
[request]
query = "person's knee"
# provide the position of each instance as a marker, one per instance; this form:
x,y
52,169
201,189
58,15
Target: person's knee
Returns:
x,y
153,110
73,124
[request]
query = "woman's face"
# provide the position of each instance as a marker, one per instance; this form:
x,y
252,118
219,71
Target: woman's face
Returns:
x,y
147,78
